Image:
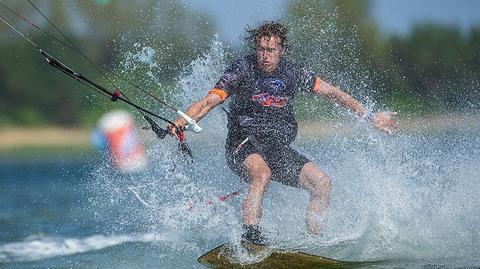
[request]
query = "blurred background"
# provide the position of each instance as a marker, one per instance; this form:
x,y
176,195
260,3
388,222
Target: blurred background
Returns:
x,y
420,57
409,197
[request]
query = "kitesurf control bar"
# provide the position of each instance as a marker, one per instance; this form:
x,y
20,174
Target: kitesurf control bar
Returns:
x,y
191,122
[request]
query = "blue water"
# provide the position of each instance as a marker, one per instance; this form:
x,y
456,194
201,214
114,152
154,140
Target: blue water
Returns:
x,y
410,200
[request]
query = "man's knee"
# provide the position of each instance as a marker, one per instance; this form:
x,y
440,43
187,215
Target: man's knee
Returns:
x,y
321,184
315,180
261,176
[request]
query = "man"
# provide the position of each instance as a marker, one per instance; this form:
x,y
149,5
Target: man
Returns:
x,y
261,125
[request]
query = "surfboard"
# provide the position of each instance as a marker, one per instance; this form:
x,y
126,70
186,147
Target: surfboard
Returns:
x,y
224,256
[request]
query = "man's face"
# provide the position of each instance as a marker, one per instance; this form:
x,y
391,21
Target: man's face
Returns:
x,y
268,53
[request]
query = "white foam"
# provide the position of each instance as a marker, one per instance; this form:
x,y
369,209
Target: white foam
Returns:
x,y
43,247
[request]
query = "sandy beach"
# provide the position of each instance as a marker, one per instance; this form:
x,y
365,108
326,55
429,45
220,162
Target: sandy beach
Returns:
x,y
12,139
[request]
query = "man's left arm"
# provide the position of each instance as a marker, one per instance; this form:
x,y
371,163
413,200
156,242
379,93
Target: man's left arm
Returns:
x,y
383,121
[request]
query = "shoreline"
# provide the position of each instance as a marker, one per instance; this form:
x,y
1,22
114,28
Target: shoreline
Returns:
x,y
17,138
51,138
424,124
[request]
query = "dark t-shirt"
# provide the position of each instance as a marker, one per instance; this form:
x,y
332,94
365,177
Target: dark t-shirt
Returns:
x,y
262,103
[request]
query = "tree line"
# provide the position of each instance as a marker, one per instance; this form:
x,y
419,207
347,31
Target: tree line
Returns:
x,y
433,69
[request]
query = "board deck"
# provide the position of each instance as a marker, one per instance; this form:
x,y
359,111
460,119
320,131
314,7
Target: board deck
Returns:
x,y
223,256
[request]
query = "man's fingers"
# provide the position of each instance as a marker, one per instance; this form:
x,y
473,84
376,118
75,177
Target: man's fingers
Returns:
x,y
386,130
171,129
385,122
392,122
385,127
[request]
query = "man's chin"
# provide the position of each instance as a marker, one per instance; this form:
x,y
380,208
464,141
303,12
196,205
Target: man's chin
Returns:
x,y
267,68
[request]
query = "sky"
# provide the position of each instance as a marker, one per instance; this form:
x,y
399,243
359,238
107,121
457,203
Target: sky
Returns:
x,y
232,16
398,16
391,16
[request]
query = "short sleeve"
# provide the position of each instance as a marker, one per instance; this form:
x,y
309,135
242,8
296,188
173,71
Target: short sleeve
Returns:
x,y
307,80
230,79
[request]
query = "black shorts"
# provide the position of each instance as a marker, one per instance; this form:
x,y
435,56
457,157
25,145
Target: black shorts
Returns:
x,y
285,163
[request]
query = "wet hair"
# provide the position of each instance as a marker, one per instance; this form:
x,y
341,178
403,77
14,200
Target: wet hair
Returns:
x,y
267,29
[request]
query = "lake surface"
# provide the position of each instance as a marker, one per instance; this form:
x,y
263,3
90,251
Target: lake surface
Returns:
x,y
410,200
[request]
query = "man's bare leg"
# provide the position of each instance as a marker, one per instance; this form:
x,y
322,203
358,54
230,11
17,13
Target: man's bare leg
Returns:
x,y
319,184
260,175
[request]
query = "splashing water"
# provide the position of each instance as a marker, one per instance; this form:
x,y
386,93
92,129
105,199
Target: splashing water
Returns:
x,y
407,197
143,56
172,195
410,196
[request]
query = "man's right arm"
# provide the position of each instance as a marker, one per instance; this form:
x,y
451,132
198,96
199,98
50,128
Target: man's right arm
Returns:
x,y
216,96
198,110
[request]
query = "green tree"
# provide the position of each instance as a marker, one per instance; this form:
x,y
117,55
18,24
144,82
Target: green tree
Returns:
x,y
433,69
33,93
439,66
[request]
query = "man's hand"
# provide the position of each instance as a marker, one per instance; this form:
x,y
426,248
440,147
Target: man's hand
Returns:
x,y
180,123
384,121
196,111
